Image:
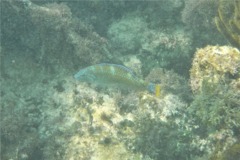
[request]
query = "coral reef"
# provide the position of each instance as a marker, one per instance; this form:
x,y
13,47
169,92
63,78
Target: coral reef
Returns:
x,y
198,18
215,80
228,20
199,13
217,124
170,83
217,107
233,152
52,35
124,35
166,47
47,114
215,64
161,128
154,47
62,119
73,35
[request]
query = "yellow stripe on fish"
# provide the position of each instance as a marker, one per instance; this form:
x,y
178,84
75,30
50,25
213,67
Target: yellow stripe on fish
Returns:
x,y
105,74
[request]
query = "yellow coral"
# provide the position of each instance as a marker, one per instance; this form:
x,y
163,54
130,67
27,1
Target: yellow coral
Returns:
x,y
214,64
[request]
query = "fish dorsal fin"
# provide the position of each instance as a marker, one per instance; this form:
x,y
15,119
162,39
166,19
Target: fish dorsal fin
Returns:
x,y
124,68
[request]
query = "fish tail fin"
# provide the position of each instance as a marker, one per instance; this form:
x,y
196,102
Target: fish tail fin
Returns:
x,y
157,90
154,88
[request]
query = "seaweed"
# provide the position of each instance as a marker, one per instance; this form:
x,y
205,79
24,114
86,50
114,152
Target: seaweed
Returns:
x,y
228,20
231,153
163,140
216,107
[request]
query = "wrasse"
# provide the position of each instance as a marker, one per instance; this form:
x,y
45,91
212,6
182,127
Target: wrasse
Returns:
x,y
105,74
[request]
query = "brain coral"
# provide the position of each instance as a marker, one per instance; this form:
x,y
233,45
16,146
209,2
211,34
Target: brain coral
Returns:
x,y
215,64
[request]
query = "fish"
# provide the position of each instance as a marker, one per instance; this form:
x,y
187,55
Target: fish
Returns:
x,y
106,74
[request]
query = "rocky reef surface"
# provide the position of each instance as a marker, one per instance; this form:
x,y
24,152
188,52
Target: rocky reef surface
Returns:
x,y
47,114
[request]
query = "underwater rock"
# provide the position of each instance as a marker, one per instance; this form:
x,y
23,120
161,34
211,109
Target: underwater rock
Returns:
x,y
213,65
124,34
198,14
155,47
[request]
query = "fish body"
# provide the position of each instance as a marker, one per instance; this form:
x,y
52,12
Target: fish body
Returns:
x,y
105,74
